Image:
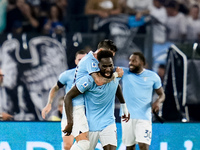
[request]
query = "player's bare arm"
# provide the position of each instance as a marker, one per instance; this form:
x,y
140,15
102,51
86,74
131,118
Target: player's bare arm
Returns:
x,y
120,95
69,108
54,90
126,115
160,99
100,80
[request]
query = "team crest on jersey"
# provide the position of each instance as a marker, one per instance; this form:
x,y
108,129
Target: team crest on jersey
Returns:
x,y
145,78
85,84
94,65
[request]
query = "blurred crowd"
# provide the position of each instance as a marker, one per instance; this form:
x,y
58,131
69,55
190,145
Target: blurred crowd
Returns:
x,y
173,20
42,16
176,20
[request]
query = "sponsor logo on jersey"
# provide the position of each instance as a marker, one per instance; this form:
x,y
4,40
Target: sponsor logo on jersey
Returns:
x,y
94,65
85,84
145,78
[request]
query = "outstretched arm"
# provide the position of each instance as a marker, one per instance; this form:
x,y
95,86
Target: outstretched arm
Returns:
x,y
100,80
69,107
54,90
160,99
120,95
126,115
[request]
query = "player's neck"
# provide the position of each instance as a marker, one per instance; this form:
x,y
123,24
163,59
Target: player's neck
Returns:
x,y
141,71
95,55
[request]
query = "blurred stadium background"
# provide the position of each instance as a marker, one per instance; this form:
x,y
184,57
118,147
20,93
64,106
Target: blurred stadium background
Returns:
x,y
32,61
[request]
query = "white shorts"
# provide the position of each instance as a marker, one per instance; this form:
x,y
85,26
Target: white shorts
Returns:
x,y
80,124
63,121
63,125
106,136
136,131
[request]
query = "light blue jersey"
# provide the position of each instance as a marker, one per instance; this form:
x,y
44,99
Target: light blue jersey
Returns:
x,y
87,65
67,78
99,101
138,90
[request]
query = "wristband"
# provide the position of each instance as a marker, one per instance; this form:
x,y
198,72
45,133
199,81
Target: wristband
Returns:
x,y
124,109
115,74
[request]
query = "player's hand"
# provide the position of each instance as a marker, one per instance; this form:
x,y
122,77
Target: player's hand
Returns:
x,y
124,109
120,71
46,110
155,107
68,129
6,116
125,118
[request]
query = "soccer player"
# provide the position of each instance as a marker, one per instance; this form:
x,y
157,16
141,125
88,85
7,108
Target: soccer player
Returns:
x,y
65,79
88,65
100,102
138,85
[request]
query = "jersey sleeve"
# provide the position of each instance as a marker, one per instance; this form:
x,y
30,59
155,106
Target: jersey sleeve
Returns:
x,y
157,83
62,78
59,84
84,83
92,66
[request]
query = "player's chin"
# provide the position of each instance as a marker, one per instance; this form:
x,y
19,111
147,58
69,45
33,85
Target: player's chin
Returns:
x,y
132,70
108,75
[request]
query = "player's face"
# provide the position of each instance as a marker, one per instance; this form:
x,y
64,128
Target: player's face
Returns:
x,y
106,67
78,58
135,64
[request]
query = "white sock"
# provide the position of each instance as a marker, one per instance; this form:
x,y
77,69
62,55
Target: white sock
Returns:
x,y
81,145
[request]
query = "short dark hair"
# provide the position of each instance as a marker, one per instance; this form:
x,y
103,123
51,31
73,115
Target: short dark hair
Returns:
x,y
80,52
162,66
141,56
107,44
172,4
161,1
104,54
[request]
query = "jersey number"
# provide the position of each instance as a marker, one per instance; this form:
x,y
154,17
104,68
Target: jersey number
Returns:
x,y
147,134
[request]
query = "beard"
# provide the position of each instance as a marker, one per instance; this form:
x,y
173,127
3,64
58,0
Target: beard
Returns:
x,y
136,69
106,76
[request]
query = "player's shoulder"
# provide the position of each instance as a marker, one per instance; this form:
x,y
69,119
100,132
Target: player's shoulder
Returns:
x,y
125,69
151,72
88,59
68,72
89,78
86,79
